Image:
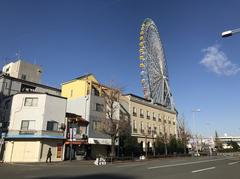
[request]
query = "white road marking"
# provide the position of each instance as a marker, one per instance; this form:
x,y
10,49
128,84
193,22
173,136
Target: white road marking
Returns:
x,y
131,165
232,163
187,163
204,169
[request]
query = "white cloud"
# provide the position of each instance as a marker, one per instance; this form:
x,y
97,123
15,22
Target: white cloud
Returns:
x,y
216,61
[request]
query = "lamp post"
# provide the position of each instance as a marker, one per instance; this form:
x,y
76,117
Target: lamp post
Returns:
x,y
194,126
229,33
154,151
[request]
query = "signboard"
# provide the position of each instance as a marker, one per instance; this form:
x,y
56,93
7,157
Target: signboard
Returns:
x,y
72,132
59,150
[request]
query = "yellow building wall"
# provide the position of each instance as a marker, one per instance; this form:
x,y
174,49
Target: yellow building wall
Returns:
x,y
78,87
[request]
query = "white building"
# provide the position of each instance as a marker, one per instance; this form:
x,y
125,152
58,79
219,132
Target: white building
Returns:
x,y
227,139
37,123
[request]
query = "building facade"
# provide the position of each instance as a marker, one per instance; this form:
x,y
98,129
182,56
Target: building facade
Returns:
x,y
18,77
84,98
149,121
23,70
76,144
37,123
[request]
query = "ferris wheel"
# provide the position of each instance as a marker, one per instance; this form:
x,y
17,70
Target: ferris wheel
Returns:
x,y
154,74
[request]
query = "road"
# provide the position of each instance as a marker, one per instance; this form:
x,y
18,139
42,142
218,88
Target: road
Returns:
x,y
223,167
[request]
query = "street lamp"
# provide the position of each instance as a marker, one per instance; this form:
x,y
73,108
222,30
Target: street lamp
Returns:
x,y
194,125
154,150
230,32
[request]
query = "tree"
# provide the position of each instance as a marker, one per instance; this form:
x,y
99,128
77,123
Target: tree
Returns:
x,y
113,124
218,143
160,145
165,138
183,133
173,145
131,147
234,145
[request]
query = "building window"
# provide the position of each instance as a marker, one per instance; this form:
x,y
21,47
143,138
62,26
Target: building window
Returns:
x,y
155,130
142,128
96,92
149,130
148,115
52,126
173,123
27,88
96,126
134,111
31,102
23,77
134,126
28,125
169,122
141,113
99,107
159,118
154,117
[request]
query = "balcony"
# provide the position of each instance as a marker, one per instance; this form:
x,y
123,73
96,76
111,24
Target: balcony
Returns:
x,y
142,131
148,117
135,130
135,114
141,116
27,132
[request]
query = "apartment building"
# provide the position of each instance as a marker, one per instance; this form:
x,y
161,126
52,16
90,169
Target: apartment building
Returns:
x,y
149,120
37,123
17,77
12,83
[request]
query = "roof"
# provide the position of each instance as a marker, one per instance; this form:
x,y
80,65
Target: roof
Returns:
x,y
75,116
2,75
139,97
79,78
149,103
40,94
83,76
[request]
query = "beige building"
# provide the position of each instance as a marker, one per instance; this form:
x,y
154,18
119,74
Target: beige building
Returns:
x,y
149,120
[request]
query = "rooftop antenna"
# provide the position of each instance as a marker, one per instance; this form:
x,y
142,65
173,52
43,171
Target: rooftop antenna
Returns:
x,y
18,54
35,61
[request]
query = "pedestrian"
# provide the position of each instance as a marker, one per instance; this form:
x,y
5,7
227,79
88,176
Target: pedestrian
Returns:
x,y
49,155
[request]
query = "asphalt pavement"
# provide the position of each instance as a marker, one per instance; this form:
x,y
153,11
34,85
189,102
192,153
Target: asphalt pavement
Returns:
x,y
220,167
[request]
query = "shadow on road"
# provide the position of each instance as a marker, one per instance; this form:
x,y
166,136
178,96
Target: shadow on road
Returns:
x,y
93,176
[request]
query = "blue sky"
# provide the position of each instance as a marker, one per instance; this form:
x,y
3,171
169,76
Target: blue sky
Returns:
x,y
72,38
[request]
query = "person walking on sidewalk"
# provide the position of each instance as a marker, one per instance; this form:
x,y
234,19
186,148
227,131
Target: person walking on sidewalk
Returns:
x,y
49,155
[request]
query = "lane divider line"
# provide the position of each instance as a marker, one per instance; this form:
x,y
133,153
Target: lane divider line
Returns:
x,y
187,163
232,163
204,169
